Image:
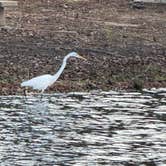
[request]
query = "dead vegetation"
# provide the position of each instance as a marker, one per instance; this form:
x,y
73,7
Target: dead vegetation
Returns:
x,y
124,46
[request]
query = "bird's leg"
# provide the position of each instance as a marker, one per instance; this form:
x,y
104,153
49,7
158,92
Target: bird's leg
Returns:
x,y
25,95
41,95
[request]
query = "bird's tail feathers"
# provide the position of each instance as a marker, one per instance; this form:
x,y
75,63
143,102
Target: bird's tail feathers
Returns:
x,y
24,84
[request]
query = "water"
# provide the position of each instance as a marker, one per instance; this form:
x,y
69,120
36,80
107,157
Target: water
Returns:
x,y
85,129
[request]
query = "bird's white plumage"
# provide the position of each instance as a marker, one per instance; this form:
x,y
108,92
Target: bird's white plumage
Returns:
x,y
43,81
39,83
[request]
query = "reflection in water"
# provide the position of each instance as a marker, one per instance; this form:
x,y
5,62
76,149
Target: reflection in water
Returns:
x,y
106,128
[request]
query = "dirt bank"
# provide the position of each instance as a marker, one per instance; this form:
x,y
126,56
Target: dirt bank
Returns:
x,y
125,47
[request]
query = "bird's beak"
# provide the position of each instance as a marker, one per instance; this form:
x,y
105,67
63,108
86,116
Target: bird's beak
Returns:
x,y
82,58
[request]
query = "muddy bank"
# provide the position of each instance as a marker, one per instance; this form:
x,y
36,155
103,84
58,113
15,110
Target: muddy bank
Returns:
x,y
125,47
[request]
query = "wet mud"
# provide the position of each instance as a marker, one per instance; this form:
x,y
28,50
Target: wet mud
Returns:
x,y
125,47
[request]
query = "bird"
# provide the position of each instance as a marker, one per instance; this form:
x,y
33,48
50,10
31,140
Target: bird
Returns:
x,y
42,82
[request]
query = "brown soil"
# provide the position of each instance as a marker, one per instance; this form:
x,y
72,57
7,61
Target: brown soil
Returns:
x,y
125,47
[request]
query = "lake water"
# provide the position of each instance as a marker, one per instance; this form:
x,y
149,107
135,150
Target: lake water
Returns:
x,y
83,129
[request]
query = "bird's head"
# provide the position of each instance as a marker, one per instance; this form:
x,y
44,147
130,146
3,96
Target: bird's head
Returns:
x,y
74,54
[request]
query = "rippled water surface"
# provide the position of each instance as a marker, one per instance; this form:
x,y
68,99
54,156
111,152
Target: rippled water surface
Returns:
x,y
98,128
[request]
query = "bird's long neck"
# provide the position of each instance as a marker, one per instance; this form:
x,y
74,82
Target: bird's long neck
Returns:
x,y
57,75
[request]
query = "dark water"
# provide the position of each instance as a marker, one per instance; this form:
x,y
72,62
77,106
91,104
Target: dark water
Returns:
x,y
87,129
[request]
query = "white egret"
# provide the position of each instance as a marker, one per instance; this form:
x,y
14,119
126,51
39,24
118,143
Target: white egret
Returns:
x,y
44,81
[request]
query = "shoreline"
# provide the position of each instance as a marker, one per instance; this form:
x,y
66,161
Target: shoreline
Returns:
x,y
158,92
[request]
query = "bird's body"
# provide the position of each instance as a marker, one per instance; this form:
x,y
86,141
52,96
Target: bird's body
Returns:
x,y
39,82
43,81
